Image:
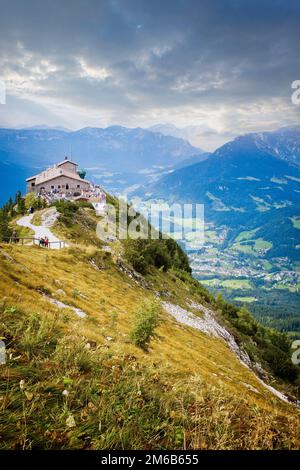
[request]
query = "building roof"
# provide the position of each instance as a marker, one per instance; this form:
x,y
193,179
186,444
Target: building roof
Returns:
x,y
53,173
56,172
31,178
67,160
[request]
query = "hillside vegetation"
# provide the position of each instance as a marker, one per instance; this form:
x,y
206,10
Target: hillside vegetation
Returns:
x,y
95,362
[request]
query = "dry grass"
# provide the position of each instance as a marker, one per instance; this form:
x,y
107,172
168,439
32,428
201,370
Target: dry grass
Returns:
x,y
187,391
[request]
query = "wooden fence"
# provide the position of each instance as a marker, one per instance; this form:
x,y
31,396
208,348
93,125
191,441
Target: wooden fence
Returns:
x,y
35,241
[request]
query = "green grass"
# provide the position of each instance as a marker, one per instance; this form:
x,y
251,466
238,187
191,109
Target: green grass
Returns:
x,y
231,284
246,235
294,288
245,299
37,218
252,246
210,236
261,244
266,265
296,265
237,284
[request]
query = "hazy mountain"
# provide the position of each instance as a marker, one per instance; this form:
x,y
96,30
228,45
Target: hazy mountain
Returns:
x,y
193,159
115,156
246,184
45,127
193,134
115,147
283,144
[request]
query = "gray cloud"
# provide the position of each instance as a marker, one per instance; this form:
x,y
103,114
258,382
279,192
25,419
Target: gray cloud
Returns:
x,y
226,65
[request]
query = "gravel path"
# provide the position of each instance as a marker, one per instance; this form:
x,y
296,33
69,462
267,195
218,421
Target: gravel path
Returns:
x,y
43,230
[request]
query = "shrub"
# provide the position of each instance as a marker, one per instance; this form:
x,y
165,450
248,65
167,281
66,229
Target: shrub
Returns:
x,y
67,210
146,320
21,207
164,254
85,204
262,343
32,200
66,207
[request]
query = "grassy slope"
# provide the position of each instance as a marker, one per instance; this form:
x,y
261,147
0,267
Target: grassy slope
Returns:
x,y
188,391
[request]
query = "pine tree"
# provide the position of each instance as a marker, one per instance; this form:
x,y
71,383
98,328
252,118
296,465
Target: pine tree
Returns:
x,y
5,230
10,204
21,209
18,196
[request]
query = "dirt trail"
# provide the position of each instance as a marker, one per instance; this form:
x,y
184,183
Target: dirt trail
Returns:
x,y
43,230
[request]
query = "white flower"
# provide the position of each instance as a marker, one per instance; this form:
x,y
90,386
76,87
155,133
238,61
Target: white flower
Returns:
x,y
22,384
65,393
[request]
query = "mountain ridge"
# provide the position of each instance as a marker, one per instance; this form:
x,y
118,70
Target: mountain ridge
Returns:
x,y
115,157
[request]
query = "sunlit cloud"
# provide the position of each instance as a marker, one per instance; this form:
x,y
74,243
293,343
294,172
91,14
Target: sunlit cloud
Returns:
x,y
226,69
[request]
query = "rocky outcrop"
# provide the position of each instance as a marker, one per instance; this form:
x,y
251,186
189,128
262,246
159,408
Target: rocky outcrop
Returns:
x,y
209,325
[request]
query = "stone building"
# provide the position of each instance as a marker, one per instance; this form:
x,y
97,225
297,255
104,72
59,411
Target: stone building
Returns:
x,y
63,178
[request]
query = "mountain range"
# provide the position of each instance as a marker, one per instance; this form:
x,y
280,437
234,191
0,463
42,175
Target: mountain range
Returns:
x,y
250,189
115,156
245,184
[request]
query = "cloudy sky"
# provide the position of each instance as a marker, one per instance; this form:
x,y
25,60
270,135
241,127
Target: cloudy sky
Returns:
x,y
225,67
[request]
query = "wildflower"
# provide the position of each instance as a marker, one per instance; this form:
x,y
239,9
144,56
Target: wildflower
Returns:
x,y
65,393
29,395
70,421
22,384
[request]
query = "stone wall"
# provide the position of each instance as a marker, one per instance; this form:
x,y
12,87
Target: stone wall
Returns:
x,y
62,184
